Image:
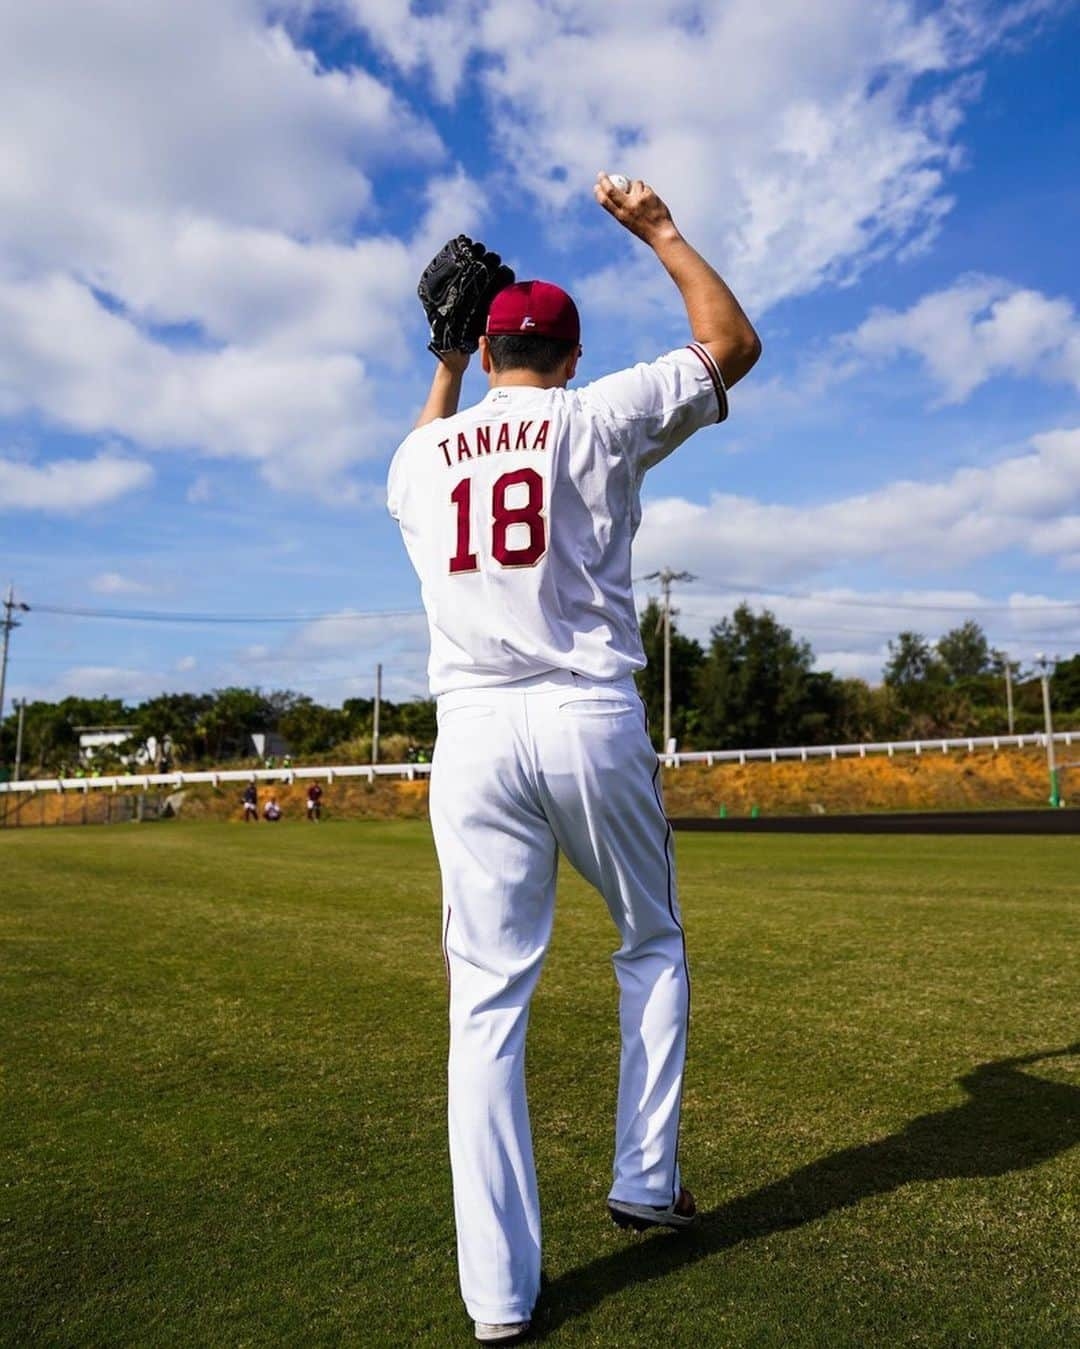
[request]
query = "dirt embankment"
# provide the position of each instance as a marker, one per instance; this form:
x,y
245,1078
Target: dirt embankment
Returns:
x,y
347,798
351,798
932,781
928,781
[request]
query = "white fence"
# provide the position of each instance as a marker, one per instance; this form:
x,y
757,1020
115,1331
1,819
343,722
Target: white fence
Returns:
x,y
411,771
144,781
968,744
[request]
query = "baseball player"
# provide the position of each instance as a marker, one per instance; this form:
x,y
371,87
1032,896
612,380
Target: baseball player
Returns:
x,y
518,515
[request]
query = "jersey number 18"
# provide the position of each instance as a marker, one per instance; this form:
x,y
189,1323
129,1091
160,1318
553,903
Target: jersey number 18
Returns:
x,y
531,515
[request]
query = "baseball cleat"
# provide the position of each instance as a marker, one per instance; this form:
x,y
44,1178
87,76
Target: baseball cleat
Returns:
x,y
508,1333
682,1213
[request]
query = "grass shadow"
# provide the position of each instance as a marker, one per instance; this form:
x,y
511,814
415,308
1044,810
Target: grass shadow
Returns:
x,y
1011,1122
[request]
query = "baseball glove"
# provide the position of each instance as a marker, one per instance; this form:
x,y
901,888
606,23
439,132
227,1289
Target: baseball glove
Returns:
x,y
456,289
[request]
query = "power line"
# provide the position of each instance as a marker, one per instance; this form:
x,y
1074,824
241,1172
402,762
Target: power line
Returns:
x,y
167,616
371,615
1041,634
823,597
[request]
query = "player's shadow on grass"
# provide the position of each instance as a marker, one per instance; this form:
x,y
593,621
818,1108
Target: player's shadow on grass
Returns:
x,y
1012,1121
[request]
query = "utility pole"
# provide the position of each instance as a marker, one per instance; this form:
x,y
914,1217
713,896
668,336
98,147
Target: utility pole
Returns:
x,y
1045,668
18,740
666,577
1009,694
10,607
375,716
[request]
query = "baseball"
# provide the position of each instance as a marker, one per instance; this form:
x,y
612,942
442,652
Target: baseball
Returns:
x,y
620,181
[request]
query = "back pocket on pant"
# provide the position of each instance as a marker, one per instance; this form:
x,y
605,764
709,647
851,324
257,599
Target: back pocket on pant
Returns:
x,y
595,707
471,712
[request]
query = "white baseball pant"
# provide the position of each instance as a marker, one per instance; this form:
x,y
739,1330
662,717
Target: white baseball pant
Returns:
x,y
522,771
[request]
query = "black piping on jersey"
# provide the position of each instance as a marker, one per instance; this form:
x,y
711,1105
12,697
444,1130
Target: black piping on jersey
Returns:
x,y
682,936
706,357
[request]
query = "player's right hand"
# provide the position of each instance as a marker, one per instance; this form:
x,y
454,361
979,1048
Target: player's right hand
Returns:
x,y
640,210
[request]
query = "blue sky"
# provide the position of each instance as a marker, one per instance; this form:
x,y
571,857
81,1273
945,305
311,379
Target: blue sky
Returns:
x,y
212,217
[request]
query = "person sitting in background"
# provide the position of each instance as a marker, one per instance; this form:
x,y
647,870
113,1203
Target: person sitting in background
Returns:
x,y
272,811
251,803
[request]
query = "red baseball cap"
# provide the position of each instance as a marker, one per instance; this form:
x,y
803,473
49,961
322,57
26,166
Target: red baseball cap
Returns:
x,y
536,308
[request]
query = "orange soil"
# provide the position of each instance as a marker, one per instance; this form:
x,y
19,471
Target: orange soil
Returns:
x,y
931,781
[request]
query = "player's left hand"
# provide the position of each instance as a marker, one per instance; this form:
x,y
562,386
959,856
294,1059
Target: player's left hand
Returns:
x,y
457,362
456,290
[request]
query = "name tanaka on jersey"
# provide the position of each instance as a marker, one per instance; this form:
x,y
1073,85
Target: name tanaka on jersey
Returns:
x,y
483,439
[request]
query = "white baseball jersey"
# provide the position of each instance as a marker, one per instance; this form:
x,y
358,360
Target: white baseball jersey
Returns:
x,y
518,514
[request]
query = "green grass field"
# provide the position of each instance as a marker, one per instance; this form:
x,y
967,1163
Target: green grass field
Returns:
x,y
223,1075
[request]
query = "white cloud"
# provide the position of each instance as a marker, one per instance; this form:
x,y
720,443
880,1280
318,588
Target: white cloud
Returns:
x,y
200,490
69,485
104,681
439,40
850,629
197,110
334,657
350,632
177,260
1022,501
304,416
795,143
975,330
114,583
185,664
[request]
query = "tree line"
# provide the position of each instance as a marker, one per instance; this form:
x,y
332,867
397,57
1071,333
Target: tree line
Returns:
x,y
752,685
206,729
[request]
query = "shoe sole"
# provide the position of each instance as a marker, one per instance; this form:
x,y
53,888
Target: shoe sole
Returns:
x,y
675,1223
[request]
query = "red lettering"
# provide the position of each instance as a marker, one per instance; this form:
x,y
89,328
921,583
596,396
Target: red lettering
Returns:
x,y
483,440
531,515
503,442
444,445
463,451
504,518
540,443
522,430
463,560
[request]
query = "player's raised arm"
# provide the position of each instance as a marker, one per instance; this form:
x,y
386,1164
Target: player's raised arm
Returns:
x,y
445,392
456,290
716,317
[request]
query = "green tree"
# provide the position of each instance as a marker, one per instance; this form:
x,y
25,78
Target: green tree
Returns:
x,y
415,719
964,652
1065,684
232,717
686,660
911,661
868,714
310,728
358,714
50,737
176,717
756,686
921,685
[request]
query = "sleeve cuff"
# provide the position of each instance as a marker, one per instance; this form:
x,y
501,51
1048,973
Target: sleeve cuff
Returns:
x,y
705,356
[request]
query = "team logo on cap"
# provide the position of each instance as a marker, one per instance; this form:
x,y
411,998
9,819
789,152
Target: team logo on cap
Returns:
x,y
527,322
